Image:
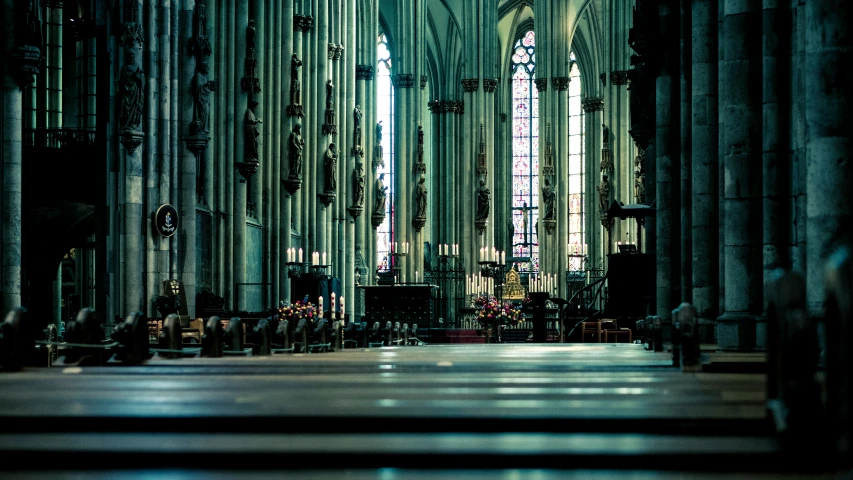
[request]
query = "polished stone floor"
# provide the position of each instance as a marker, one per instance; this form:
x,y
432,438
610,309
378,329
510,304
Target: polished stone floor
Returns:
x,y
575,410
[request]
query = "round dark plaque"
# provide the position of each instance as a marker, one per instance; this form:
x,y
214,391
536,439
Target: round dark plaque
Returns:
x,y
166,220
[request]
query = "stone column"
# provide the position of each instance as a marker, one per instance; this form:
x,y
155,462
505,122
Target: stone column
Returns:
x,y
595,236
664,141
685,17
132,80
797,144
164,137
241,105
149,58
776,164
743,296
705,166
10,275
54,61
828,151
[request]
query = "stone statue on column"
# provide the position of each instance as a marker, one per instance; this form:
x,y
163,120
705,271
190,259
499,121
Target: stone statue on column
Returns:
x,y
132,84
295,107
420,205
34,24
603,195
330,163
420,166
358,184
357,149
378,155
253,134
381,192
295,146
483,201
329,127
549,199
380,195
201,89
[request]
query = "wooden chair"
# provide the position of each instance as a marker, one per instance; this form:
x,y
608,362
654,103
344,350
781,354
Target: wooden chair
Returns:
x,y
194,330
590,328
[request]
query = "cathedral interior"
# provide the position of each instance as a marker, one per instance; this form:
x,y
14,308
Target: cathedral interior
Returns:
x,y
405,239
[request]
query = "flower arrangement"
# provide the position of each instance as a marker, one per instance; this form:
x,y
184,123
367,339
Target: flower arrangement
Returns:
x,y
298,310
491,309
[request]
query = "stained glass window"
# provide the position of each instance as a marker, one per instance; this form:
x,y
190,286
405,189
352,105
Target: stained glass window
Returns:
x,y
525,154
576,168
385,116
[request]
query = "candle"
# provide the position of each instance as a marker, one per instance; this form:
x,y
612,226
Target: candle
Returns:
x,y
503,258
320,303
324,261
416,276
587,277
342,306
332,310
584,249
300,255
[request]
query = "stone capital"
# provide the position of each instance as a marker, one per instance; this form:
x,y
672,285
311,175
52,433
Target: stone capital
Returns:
x,y
470,84
303,23
541,84
403,80
619,77
490,84
364,72
560,83
593,104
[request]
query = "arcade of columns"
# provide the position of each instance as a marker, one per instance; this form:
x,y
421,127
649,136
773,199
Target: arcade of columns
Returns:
x,y
742,156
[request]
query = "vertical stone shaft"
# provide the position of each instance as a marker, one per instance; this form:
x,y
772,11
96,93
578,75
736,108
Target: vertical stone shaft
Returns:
x,y
664,99
241,104
10,275
742,97
152,158
350,239
686,200
828,152
705,166
321,231
188,199
776,166
164,137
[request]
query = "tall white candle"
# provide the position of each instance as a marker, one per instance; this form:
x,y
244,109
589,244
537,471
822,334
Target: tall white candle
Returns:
x,y
342,306
324,259
332,310
300,255
320,304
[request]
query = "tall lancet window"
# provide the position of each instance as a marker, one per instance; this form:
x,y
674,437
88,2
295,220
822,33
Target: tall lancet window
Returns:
x,y
576,169
525,154
385,116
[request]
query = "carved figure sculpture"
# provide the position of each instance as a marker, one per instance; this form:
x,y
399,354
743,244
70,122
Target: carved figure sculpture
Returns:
x,y
380,190
356,114
133,90
253,133
330,102
549,198
421,199
639,187
605,135
603,194
379,132
295,86
295,146
420,139
358,184
330,162
34,24
201,89
250,35
483,197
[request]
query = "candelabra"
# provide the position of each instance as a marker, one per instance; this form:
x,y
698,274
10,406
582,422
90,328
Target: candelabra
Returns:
x,y
396,268
318,272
